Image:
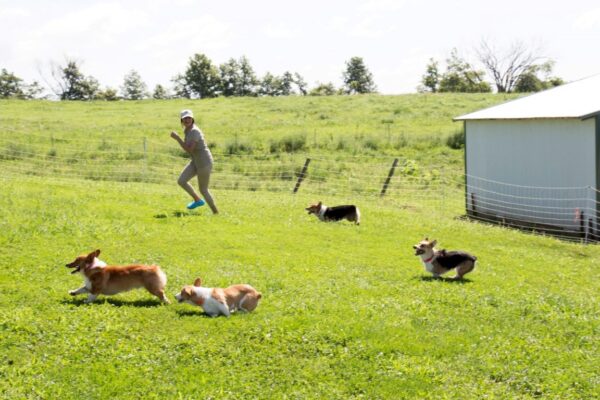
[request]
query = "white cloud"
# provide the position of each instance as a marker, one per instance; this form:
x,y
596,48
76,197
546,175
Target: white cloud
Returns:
x,y
367,27
588,21
379,6
189,36
13,12
280,31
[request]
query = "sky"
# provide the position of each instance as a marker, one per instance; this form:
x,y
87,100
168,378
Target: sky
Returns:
x,y
395,38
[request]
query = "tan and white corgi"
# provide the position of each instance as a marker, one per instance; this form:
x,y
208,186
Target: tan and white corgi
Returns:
x,y
217,301
100,278
337,213
438,262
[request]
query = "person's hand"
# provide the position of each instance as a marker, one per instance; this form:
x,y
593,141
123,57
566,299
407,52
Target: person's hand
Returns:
x,y
174,135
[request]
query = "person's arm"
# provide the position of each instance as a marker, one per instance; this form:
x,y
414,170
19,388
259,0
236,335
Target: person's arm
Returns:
x,y
187,147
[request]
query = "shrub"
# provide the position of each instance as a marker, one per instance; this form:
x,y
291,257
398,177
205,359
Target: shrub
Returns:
x,y
288,144
371,143
237,147
456,140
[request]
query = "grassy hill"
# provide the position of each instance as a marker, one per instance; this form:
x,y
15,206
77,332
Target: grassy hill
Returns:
x,y
347,312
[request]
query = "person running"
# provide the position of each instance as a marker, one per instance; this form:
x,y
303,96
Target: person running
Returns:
x,y
200,165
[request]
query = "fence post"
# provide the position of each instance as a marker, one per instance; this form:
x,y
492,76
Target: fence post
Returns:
x,y
389,178
302,175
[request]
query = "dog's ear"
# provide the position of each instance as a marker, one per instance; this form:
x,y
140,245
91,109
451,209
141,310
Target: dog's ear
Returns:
x,y
198,282
320,204
90,257
433,242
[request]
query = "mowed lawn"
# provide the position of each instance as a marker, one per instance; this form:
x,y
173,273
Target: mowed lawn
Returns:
x,y
347,312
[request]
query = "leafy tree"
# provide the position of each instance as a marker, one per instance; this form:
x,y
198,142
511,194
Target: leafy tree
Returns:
x,y
133,87
108,94
180,89
357,78
323,89
11,86
460,76
287,82
530,81
72,84
230,74
33,90
270,85
248,81
201,79
300,83
431,79
160,93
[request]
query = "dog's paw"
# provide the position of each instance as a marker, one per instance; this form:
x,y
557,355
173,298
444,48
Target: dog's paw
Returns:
x,y
73,292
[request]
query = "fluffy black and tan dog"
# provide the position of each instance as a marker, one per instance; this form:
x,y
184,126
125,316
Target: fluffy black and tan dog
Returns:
x,y
438,262
337,213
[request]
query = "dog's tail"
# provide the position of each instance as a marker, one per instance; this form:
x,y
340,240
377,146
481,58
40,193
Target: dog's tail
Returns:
x,y
357,222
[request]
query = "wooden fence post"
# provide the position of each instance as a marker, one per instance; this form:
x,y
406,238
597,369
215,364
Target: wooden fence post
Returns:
x,y
302,175
389,178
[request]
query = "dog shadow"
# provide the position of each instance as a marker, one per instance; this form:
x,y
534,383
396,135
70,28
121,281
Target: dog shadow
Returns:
x,y
462,281
177,214
78,302
192,313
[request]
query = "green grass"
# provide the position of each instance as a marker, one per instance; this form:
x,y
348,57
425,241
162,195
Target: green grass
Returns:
x,y
259,143
347,312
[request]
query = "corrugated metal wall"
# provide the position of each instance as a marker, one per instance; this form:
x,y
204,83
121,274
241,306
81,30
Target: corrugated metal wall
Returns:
x,y
542,171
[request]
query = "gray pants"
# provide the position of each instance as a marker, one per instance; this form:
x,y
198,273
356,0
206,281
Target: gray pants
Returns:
x,y
203,175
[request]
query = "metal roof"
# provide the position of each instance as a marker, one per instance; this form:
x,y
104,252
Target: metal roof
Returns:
x,y
579,99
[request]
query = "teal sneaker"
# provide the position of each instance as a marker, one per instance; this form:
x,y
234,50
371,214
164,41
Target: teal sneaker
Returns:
x,y
195,204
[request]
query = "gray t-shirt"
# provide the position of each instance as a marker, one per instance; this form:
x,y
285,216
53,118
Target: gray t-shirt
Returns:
x,y
201,154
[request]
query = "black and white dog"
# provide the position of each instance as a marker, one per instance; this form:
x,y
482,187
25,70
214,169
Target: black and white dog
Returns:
x,y
438,262
337,213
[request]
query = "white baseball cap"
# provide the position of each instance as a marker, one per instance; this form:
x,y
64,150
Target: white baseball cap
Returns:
x,y
186,113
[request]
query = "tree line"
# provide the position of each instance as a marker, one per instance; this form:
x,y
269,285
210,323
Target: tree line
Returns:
x,y
201,79
520,68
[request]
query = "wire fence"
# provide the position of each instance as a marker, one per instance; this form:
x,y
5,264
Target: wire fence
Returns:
x,y
443,190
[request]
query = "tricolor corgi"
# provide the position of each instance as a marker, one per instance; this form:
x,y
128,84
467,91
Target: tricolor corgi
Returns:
x,y
100,278
324,213
438,262
217,301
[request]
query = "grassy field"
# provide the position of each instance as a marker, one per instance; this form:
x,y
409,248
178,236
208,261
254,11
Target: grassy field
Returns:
x,y
347,312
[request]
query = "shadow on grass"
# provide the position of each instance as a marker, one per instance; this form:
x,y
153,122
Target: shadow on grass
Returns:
x,y
192,313
177,214
462,281
115,302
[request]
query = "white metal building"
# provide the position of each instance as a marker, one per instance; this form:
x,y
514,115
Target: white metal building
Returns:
x,y
537,159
